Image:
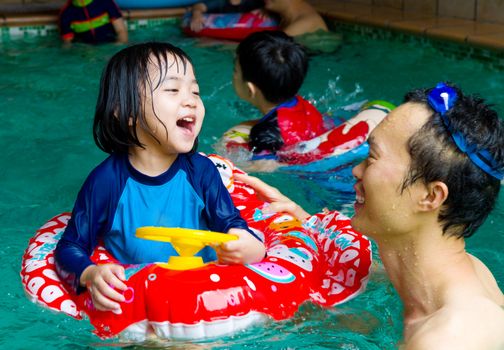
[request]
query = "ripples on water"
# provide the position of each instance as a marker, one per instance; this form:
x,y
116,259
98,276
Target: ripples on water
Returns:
x,y
48,96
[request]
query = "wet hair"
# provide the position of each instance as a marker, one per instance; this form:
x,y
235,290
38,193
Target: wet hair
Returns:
x,y
274,62
125,82
435,157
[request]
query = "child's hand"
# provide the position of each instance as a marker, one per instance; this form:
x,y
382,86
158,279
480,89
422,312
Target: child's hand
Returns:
x,y
104,283
245,250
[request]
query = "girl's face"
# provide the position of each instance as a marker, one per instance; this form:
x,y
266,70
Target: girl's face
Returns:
x,y
174,111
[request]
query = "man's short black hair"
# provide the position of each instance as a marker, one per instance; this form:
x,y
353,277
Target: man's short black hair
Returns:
x,y
436,157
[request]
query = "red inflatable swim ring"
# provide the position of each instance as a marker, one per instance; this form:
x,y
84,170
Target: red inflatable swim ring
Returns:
x,y
337,146
231,26
323,260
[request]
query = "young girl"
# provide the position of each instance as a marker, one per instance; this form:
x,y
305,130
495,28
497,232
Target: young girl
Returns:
x,y
148,116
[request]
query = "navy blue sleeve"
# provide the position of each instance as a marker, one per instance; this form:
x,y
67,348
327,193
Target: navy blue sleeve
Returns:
x,y
220,212
88,222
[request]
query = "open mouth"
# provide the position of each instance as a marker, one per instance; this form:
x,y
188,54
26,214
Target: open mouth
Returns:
x,y
359,198
187,123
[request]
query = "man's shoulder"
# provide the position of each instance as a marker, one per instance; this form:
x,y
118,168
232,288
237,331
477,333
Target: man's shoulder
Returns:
x,y
476,324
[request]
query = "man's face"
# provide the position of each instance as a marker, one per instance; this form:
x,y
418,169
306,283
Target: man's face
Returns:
x,y
381,208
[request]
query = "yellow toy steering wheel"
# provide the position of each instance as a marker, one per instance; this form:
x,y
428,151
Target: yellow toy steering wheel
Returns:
x,y
186,242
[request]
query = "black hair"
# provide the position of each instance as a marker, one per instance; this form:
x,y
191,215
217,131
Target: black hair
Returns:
x,y
274,62
436,157
125,81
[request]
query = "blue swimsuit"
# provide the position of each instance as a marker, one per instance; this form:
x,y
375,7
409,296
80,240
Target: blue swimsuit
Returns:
x,y
116,199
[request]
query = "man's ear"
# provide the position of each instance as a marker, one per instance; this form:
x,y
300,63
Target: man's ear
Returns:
x,y
435,195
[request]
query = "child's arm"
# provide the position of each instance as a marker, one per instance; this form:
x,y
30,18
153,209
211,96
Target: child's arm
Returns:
x,y
121,31
118,22
90,217
245,250
102,282
74,249
222,216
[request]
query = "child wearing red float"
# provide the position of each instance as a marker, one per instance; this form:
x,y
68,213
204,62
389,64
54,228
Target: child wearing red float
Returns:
x,y
148,117
270,68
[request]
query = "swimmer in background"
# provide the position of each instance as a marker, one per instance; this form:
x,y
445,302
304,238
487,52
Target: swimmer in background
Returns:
x,y
270,68
220,6
92,22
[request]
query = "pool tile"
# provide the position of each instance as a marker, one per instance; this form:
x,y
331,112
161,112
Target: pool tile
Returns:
x,y
457,8
345,11
380,16
426,7
32,19
420,26
154,13
490,11
495,41
396,4
461,32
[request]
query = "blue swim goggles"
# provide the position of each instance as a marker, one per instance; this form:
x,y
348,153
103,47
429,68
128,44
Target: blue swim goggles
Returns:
x,y
441,99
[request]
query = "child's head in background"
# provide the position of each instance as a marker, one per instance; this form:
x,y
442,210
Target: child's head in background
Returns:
x,y
269,63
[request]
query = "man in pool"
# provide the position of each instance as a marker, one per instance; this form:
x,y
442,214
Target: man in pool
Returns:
x,y
297,17
432,176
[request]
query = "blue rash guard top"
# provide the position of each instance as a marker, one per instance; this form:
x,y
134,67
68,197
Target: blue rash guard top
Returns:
x,y
116,199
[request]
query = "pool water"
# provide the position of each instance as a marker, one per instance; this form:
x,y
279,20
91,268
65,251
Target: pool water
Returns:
x,y
48,94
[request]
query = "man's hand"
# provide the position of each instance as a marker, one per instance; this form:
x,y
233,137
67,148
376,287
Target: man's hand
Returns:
x,y
278,201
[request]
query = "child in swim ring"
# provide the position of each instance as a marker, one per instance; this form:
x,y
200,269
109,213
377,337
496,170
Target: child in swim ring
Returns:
x,y
148,117
270,68
220,6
